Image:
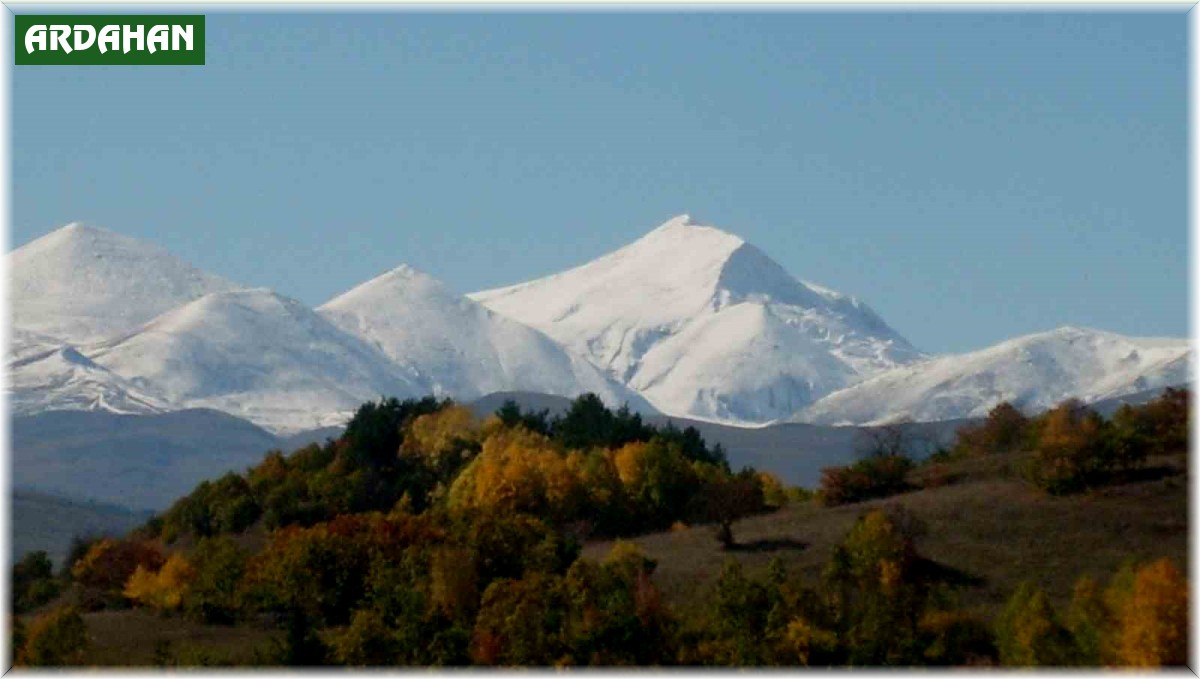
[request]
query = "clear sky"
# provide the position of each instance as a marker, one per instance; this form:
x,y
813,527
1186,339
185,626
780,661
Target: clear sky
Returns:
x,y
971,176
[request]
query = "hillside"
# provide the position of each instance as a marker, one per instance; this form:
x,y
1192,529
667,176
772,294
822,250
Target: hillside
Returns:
x,y
989,524
141,462
49,522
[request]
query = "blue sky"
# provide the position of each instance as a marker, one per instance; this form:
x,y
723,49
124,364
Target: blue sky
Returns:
x,y
972,176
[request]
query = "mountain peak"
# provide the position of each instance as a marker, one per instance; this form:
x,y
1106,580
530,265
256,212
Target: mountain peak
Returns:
x,y
79,227
80,283
684,219
407,272
684,231
702,323
401,285
82,234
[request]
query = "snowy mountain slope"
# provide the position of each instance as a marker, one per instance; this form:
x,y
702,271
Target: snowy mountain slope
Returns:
x,y
461,348
61,378
706,325
82,284
1032,372
23,343
257,355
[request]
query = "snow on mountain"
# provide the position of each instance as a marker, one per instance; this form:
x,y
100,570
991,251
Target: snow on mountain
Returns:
x,y
461,348
1033,372
23,343
705,325
83,284
257,355
61,378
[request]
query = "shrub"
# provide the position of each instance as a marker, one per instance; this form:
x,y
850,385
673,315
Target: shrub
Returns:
x,y
773,492
807,644
868,479
56,638
33,582
956,638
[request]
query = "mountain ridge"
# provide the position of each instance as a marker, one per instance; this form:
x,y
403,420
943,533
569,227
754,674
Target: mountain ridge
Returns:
x,y
256,354
645,311
463,349
1033,372
688,320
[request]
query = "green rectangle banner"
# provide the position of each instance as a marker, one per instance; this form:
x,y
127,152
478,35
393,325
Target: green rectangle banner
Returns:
x,y
109,40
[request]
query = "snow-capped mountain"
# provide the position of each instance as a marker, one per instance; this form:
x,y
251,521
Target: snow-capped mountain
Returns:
x,y
462,349
61,378
1034,372
23,344
257,355
82,284
689,320
704,324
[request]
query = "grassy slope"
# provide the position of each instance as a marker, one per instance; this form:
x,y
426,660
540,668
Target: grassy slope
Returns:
x,y
129,638
987,523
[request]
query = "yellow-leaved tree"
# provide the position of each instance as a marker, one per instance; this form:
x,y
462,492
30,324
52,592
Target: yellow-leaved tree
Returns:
x,y
1151,617
162,590
518,471
448,431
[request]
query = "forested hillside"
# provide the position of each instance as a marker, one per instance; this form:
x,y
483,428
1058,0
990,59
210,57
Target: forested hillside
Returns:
x,y
426,535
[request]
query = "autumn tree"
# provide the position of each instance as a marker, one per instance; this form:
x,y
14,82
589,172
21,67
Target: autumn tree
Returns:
x,y
107,566
1151,617
878,594
1073,449
658,480
520,622
213,595
367,642
163,590
615,614
374,434
444,440
518,471
1005,430
1029,632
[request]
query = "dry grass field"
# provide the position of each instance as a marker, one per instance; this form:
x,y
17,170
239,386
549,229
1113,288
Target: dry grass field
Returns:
x,y
985,522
